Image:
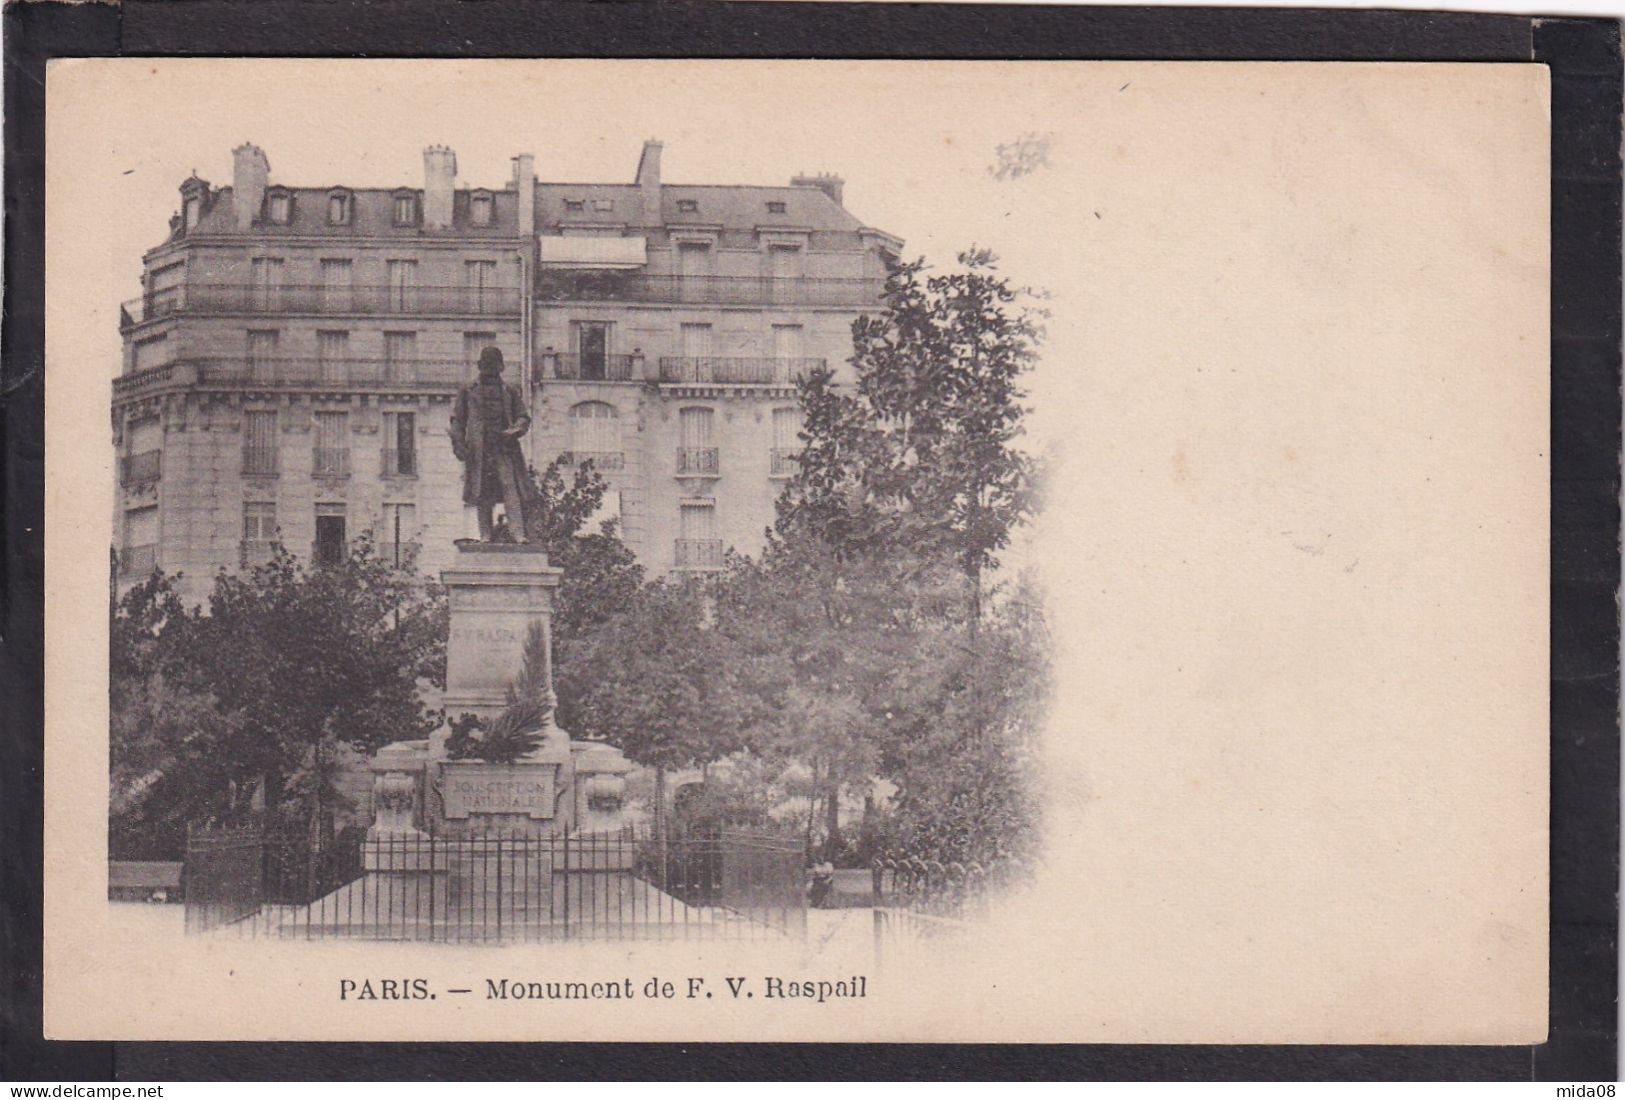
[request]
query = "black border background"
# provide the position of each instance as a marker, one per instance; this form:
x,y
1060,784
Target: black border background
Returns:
x,y
1584,56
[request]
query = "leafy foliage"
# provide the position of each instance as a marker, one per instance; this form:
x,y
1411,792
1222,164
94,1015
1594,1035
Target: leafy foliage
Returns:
x,y
517,731
254,699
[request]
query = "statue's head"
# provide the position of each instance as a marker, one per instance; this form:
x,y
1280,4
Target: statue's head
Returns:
x,y
491,363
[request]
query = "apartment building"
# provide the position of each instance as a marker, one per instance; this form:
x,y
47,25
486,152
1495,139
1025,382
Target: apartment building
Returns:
x,y
289,368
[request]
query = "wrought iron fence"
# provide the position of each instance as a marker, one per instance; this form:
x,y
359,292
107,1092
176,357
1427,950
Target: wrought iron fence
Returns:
x,y
698,553
736,370
291,371
333,298
918,900
632,286
330,461
784,461
140,468
706,461
400,462
592,368
602,460
500,888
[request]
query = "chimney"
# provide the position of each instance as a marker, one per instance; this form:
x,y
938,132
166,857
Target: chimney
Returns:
x,y
649,183
829,184
250,172
524,182
439,180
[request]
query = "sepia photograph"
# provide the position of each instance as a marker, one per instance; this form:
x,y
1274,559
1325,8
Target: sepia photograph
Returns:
x,y
933,551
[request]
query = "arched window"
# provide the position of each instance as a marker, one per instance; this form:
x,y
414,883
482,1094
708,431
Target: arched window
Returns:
x,y
479,208
595,435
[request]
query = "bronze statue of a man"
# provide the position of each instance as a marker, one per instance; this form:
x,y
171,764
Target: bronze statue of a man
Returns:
x,y
486,424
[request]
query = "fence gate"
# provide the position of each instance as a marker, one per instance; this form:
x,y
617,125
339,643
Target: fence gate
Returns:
x,y
224,876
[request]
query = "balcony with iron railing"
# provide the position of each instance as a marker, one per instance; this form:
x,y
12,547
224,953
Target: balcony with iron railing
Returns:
x,y
365,300
748,290
294,372
784,462
703,370
138,561
399,462
698,462
592,368
601,460
140,469
260,460
698,554
252,552
330,462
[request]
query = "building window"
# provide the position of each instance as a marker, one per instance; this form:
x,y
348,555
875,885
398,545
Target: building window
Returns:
x,y
398,544
259,533
603,204
333,357
259,442
480,279
166,289
595,435
278,207
693,268
338,286
261,361
784,268
473,344
787,343
592,349
575,204
786,443
139,556
194,210
142,459
688,206
696,364
479,210
406,209
775,208
400,353
403,286
332,454
149,353
265,284
331,542
696,455
338,208
697,542
400,444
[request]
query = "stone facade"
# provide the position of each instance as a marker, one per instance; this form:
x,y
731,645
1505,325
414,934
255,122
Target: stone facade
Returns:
x,y
289,370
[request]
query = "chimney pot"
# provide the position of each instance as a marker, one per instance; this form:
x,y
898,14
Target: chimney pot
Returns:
x,y
250,174
439,183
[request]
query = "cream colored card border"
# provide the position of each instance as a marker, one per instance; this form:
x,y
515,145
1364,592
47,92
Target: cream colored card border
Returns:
x,y
1296,543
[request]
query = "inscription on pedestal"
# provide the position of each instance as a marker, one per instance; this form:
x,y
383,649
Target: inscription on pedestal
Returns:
x,y
472,789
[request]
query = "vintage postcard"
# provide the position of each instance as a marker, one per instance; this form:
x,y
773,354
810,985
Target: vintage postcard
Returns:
x,y
878,551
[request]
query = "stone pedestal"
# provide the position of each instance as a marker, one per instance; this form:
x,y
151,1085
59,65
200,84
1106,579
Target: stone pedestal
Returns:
x,y
496,593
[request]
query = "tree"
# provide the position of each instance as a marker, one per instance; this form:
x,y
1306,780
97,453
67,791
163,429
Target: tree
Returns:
x,y
651,680
922,454
311,658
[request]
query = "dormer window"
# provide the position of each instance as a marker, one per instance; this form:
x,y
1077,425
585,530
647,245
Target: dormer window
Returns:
x,y
575,204
338,208
775,208
278,207
479,209
688,206
194,210
406,209
603,204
